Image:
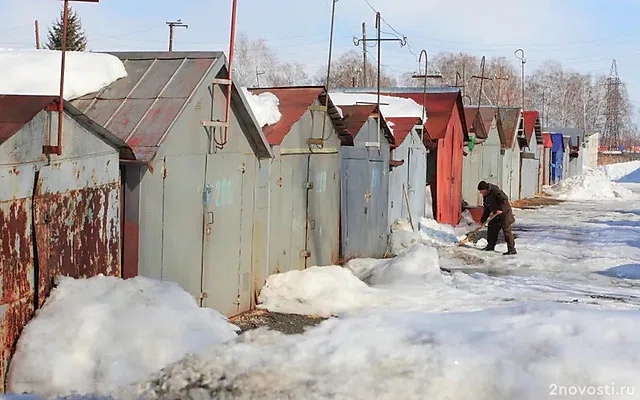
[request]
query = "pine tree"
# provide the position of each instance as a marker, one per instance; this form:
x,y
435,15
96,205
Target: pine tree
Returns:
x,y
76,39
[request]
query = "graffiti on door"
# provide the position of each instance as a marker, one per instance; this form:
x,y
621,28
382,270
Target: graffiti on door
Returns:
x,y
375,177
224,192
321,182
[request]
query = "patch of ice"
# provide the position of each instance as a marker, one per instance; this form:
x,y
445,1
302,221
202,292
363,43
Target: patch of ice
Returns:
x,y
264,107
37,72
394,107
516,352
95,335
436,233
589,185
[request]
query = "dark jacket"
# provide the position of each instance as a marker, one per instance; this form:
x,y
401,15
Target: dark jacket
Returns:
x,y
496,200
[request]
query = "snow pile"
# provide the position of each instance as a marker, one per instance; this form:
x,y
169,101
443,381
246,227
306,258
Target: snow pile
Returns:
x,y
37,72
590,185
332,290
436,233
520,352
97,334
264,107
619,170
394,107
402,237
322,291
418,266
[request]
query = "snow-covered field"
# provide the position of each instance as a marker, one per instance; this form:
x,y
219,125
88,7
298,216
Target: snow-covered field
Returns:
x,y
559,320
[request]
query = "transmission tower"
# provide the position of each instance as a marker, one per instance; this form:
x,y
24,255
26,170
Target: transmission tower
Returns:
x,y
611,138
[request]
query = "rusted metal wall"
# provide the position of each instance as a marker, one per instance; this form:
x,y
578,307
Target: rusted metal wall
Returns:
x,y
365,195
58,217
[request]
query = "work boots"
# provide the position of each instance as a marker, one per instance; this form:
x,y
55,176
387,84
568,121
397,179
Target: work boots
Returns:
x,y
511,252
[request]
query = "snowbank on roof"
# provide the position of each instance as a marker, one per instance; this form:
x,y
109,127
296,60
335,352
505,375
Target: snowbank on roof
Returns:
x,y
589,185
519,352
264,107
37,72
395,107
95,335
619,170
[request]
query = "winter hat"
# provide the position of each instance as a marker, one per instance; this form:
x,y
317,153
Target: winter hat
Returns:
x,y
483,185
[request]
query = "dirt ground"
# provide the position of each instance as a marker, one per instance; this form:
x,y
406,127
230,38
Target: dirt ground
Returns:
x,y
536,202
290,324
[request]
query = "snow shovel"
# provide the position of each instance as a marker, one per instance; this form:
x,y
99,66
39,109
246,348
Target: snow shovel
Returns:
x,y
471,234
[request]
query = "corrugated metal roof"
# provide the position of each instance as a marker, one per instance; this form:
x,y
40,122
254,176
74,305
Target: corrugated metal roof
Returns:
x,y
141,107
440,104
474,122
402,126
355,116
488,113
508,125
294,102
532,125
16,111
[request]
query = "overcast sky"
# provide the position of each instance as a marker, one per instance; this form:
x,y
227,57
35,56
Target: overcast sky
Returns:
x,y
583,34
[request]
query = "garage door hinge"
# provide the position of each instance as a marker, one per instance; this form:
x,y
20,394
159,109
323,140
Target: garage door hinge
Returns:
x,y
308,185
305,253
203,295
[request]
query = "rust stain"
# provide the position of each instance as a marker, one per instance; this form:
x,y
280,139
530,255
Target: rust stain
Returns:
x,y
16,272
76,236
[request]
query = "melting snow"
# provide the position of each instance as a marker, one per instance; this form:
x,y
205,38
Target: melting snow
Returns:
x,y
94,335
395,107
517,352
37,72
264,107
589,185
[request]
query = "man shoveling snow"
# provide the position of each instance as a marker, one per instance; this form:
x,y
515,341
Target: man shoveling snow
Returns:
x,y
499,215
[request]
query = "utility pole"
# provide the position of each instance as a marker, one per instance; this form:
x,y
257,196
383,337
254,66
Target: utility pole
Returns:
x,y
174,24
37,24
379,40
258,73
522,61
611,134
482,79
364,55
500,78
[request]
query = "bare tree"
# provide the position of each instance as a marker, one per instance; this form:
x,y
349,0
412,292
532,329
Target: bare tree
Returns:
x,y
347,71
256,64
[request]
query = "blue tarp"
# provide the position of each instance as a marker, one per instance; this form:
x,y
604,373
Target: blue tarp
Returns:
x,y
557,157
